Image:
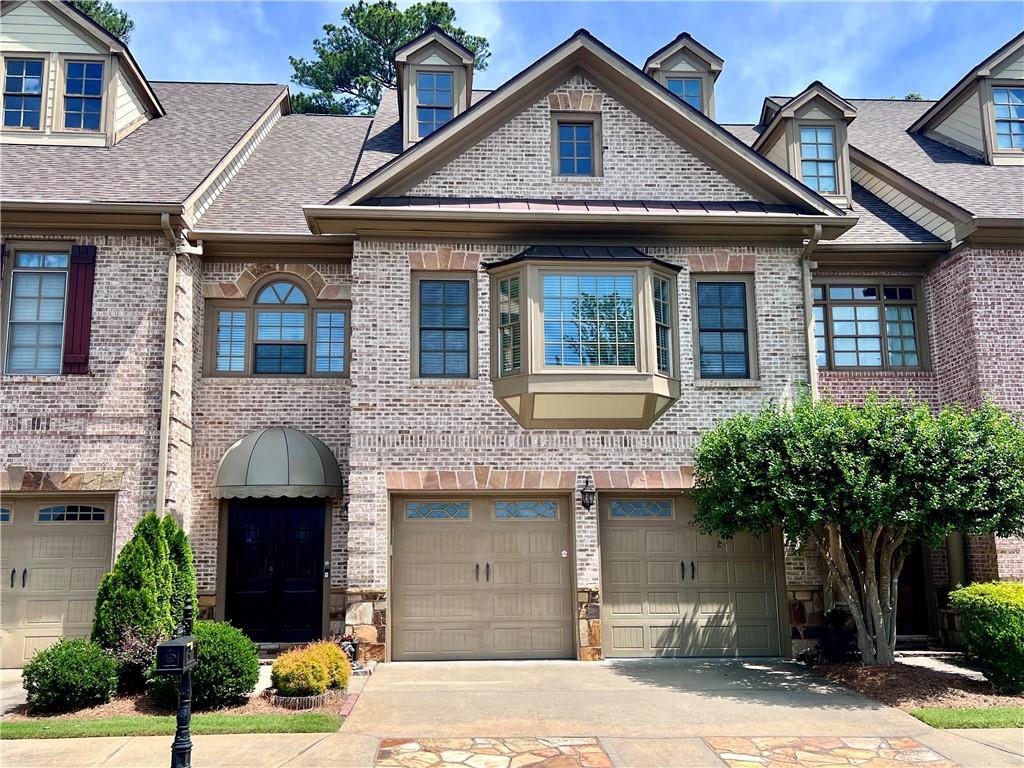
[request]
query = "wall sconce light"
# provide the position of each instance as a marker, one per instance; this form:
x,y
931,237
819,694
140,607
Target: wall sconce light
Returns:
x,y
587,494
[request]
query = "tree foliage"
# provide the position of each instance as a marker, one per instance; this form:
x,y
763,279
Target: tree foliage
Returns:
x,y
863,483
107,15
355,60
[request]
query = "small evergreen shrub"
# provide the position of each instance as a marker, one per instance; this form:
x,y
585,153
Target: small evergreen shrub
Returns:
x,y
128,596
135,654
992,623
339,669
70,675
300,672
183,573
226,672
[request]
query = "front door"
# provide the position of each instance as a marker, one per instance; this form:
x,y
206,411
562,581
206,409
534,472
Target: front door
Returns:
x,y
276,569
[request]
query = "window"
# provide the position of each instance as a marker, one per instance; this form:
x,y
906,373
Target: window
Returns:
x,y
83,95
437,510
509,328
663,324
576,149
688,89
443,327
282,333
35,321
526,510
5,515
723,324
640,508
866,326
818,158
589,320
1009,107
23,93
71,513
434,101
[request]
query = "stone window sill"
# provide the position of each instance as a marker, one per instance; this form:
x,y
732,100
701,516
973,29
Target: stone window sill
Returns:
x,y
727,383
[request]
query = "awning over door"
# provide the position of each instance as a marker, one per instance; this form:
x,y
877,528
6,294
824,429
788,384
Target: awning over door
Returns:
x,y
277,462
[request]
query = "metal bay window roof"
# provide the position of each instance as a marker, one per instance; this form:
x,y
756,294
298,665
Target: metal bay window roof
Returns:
x,y
277,462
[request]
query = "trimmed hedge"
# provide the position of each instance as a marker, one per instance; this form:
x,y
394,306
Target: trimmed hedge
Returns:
x,y
992,624
299,673
227,669
339,668
70,675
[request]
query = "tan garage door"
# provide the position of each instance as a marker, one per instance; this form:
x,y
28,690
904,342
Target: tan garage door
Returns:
x,y
52,557
668,590
481,578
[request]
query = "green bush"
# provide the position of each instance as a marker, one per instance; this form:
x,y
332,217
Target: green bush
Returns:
x,y
339,669
226,671
300,673
183,573
70,675
992,623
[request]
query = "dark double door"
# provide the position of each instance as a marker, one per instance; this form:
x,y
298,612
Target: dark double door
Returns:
x,y
275,573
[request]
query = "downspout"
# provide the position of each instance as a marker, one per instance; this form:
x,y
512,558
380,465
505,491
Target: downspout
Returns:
x,y
807,266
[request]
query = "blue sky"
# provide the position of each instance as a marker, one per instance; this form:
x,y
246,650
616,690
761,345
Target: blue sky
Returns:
x,y
870,49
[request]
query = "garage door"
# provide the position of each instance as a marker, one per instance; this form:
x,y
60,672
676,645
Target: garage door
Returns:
x,y
52,557
671,591
481,578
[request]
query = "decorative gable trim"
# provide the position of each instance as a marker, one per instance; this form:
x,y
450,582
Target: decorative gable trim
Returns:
x,y
684,42
434,34
816,90
575,100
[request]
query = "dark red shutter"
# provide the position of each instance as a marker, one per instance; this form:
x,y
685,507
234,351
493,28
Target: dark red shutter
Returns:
x,y
78,324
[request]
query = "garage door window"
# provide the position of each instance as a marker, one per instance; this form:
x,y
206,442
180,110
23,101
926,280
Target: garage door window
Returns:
x,y
5,515
641,508
526,510
73,513
437,510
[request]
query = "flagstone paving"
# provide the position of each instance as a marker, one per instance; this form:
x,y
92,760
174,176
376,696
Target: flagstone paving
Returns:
x,y
491,753
826,753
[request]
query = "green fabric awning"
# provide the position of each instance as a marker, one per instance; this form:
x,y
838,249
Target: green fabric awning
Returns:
x,y
277,462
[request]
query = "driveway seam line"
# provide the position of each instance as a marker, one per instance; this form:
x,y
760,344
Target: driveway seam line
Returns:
x,y
110,757
303,751
975,741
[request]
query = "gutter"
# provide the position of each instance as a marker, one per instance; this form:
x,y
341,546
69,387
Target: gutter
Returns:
x,y
807,265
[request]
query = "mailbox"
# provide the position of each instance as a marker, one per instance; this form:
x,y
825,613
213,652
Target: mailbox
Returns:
x,y
174,657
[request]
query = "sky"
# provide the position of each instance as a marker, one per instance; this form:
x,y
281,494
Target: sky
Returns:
x,y
860,50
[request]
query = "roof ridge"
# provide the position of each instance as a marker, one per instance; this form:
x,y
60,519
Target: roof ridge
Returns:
x,y
216,82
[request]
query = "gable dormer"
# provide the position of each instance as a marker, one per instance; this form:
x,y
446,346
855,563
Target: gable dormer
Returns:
x,y
806,135
983,114
435,83
689,70
67,80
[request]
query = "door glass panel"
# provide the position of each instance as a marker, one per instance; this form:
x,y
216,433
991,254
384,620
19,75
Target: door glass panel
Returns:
x,y
641,508
437,510
545,510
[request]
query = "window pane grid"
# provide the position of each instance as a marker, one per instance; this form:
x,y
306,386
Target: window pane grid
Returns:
x,y
866,326
434,101
818,158
576,149
589,320
688,89
722,330
509,328
35,327
663,324
71,513
83,95
23,88
329,348
444,328
1009,108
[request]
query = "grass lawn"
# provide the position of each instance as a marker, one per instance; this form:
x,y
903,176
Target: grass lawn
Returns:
x,y
155,725
989,717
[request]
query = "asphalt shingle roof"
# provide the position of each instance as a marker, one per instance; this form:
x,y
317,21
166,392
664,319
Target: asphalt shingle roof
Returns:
x,y
161,162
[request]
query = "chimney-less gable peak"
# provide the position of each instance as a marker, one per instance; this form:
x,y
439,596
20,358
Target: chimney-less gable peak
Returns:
x,y
689,70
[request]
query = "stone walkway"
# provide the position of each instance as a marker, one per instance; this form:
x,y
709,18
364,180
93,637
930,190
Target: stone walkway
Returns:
x,y
826,753
492,753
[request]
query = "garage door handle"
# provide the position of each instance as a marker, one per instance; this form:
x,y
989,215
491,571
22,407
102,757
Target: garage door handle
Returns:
x,y
487,571
693,569
24,575
682,570
13,571
478,571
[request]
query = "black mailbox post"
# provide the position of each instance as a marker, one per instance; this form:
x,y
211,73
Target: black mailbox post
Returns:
x,y
177,657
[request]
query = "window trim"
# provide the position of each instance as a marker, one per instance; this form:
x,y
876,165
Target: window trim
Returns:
x,y
920,321
645,498
597,142
524,304
696,77
459,97
43,90
436,500
414,322
6,298
248,305
514,500
750,297
106,94
843,182
989,122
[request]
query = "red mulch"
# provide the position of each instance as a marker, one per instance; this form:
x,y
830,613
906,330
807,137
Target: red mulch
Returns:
x,y
907,687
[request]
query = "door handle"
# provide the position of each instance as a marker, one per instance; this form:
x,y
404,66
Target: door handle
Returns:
x,y
487,571
13,571
693,569
478,571
24,575
682,570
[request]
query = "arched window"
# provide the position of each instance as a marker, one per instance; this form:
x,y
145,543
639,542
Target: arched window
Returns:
x,y
279,331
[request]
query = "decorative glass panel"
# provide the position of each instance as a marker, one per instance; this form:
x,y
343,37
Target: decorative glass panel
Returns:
x,y
437,510
722,330
663,323
5,515
329,351
641,508
546,510
509,329
231,342
589,320
434,101
688,89
1009,107
576,149
36,320
281,293
818,158
444,328
23,88
83,95
71,513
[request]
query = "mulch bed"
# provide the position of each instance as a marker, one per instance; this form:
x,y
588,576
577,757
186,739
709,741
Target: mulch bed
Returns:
x,y
907,687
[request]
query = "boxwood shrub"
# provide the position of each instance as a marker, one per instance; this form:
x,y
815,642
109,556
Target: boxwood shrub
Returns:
x,y
339,669
992,624
226,672
299,673
70,675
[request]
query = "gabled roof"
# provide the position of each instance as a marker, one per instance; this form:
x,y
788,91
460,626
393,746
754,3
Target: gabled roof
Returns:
x,y
641,93
684,41
773,112
953,96
434,34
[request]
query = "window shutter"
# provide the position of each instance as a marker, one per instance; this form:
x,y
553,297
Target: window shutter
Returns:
x,y
78,322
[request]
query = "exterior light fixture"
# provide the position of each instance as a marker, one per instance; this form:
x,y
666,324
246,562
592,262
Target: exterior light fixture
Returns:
x,y
587,493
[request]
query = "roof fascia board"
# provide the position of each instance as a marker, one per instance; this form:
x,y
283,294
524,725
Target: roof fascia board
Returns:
x,y
58,215
544,74
272,245
906,255
434,35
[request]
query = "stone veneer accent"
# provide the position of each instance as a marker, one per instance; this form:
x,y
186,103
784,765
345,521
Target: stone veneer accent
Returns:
x,y
588,613
366,620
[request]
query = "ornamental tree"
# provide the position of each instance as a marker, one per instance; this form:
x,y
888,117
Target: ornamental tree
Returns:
x,y
864,483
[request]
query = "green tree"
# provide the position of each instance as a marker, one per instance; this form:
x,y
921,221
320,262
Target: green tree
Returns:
x,y
864,483
183,574
107,15
913,96
355,60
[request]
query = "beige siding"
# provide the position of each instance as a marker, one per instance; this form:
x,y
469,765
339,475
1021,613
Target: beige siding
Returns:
x,y
30,28
128,107
777,154
1012,68
910,208
963,126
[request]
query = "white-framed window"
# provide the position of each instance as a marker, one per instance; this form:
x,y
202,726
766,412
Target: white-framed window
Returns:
x,y
36,308
6,516
71,513
435,100
589,319
510,338
818,158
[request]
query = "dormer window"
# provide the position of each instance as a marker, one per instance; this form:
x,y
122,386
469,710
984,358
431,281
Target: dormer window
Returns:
x,y
1009,113
434,101
83,95
688,89
23,93
688,70
818,158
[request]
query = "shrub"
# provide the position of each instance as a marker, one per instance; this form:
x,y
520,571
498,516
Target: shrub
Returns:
x,y
339,669
226,671
300,673
992,621
183,573
127,596
135,654
70,675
